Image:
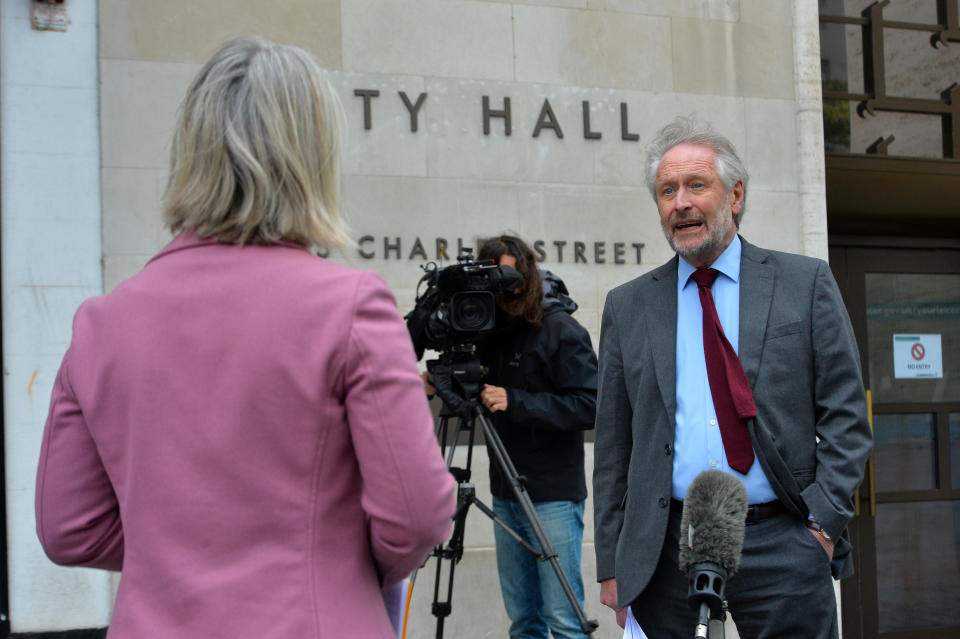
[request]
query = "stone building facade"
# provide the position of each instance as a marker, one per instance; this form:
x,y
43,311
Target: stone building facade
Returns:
x,y
465,118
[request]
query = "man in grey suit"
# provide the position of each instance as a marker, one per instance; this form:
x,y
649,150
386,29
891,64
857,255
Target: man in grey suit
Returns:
x,y
657,423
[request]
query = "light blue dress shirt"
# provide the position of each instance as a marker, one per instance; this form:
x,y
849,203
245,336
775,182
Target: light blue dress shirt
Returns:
x,y
697,444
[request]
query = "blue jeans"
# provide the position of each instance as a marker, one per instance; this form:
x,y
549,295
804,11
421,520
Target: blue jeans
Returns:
x,y
532,594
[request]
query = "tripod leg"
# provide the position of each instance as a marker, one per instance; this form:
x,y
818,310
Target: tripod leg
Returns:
x,y
452,553
548,553
442,430
441,609
506,528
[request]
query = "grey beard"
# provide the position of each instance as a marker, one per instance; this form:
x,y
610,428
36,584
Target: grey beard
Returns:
x,y
710,245
693,254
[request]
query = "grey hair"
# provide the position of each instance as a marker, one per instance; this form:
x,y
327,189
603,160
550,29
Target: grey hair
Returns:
x,y
256,150
690,130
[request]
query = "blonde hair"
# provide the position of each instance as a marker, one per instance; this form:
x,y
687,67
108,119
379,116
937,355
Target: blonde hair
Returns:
x,y
256,150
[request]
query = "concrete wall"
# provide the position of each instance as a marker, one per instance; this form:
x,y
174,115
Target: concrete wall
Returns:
x,y
51,252
749,66
734,63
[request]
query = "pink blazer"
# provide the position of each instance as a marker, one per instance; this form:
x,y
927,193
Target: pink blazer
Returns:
x,y
243,433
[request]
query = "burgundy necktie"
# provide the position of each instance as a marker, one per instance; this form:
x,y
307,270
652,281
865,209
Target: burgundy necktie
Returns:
x,y
732,399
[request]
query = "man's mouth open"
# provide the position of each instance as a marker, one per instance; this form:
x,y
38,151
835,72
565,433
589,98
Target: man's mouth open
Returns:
x,y
688,226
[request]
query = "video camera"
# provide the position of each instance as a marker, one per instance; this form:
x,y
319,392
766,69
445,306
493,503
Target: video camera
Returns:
x,y
458,304
457,307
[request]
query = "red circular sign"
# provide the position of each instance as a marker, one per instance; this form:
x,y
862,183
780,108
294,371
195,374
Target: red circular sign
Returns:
x,y
918,351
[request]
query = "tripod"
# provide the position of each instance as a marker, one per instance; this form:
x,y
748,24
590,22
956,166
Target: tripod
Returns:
x,y
457,378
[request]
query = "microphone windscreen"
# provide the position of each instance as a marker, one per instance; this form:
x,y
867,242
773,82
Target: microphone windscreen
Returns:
x,y
713,521
510,278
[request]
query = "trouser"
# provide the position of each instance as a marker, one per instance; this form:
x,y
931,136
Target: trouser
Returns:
x,y
783,587
532,594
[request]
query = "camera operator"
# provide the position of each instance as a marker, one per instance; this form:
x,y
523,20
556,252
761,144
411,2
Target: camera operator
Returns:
x,y
541,389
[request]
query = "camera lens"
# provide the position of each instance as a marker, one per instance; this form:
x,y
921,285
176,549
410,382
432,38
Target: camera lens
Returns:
x,y
472,311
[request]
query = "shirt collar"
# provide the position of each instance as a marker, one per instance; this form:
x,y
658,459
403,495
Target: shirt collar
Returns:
x,y
728,264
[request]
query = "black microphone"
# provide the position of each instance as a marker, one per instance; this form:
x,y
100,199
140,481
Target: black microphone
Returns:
x,y
711,541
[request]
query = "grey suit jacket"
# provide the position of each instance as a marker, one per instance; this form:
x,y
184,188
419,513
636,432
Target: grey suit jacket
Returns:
x,y
800,357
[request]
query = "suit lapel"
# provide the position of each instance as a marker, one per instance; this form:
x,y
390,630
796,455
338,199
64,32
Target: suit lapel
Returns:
x,y
756,294
659,306
660,311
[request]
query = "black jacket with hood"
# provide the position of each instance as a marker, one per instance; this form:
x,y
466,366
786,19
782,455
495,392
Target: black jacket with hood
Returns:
x,y
550,375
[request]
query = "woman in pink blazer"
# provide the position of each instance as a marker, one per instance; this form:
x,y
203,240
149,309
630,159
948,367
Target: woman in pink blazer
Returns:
x,y
240,428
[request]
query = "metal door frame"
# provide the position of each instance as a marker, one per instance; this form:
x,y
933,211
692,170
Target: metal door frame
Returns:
x,y
850,263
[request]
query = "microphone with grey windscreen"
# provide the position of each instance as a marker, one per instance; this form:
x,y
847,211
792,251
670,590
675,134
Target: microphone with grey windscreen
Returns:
x,y
711,541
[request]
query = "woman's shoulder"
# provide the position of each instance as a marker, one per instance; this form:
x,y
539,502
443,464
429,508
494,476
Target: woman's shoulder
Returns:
x,y
309,266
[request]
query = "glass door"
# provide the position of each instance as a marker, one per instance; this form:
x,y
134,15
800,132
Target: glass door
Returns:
x,y
905,307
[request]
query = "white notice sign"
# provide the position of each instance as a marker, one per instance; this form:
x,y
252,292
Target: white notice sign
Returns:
x,y
917,356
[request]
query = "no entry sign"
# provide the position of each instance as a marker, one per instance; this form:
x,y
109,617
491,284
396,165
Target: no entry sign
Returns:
x,y
917,356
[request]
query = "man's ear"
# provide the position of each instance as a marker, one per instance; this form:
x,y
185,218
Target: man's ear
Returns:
x,y
735,196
